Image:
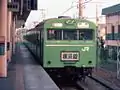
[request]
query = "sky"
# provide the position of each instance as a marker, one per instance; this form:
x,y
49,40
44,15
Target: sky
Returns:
x,y
55,8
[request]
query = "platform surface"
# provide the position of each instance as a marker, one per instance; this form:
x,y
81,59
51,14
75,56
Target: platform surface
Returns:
x,y
25,74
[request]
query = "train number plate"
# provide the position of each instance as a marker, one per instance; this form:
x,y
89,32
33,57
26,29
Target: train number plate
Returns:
x,y
69,56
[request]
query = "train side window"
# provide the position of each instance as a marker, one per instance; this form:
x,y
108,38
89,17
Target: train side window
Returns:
x,y
42,34
39,34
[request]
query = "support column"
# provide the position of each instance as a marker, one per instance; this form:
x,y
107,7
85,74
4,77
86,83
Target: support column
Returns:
x,y
81,8
3,38
13,34
9,36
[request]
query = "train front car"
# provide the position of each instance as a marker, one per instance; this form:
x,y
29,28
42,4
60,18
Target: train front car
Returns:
x,y
70,46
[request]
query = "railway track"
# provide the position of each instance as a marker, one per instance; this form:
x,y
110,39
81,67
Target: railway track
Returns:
x,y
107,85
70,85
67,84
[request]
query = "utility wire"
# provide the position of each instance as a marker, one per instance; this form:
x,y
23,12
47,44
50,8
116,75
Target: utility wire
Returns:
x,y
75,6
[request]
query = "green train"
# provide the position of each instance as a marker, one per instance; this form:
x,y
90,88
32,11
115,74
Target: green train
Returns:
x,y
64,46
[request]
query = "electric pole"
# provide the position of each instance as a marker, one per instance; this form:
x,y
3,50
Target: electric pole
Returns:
x,y
97,33
81,8
97,18
42,13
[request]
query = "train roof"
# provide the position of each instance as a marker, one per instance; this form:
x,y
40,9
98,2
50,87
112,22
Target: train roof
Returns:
x,y
63,19
42,22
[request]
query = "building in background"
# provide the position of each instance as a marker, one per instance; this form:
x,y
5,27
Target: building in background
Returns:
x,y
112,30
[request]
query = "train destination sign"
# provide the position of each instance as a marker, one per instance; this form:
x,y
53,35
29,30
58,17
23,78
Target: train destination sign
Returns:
x,y
57,24
83,25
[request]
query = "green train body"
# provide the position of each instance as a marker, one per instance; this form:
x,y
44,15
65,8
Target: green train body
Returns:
x,y
62,42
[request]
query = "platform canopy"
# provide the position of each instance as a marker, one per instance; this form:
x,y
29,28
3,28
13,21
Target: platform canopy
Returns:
x,y
111,10
21,9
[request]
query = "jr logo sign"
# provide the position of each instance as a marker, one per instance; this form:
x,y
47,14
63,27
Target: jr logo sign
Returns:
x,y
85,49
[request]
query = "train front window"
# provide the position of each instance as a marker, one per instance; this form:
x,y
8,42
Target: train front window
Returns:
x,y
85,34
70,34
54,35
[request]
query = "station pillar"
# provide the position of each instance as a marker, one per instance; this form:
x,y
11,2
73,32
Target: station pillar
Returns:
x,y
13,34
3,38
9,27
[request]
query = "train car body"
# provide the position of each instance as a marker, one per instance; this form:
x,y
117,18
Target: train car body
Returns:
x,y
64,45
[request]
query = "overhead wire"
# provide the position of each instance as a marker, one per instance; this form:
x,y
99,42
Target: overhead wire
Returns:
x,y
75,6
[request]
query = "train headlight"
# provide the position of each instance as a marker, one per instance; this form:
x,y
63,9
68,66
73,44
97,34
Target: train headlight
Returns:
x,y
83,65
70,56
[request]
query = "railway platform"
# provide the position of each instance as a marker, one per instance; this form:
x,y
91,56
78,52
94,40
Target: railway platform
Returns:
x,y
25,74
